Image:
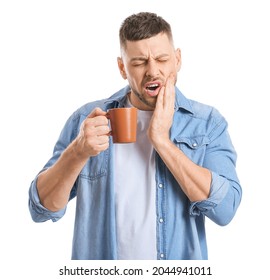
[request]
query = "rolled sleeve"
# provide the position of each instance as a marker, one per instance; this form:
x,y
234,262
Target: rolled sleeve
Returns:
x,y
218,190
225,191
223,201
38,212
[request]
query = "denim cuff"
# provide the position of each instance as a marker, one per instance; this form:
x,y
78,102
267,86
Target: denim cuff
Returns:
x,y
38,212
218,190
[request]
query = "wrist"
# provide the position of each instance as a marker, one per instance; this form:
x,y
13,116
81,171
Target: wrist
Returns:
x,y
76,151
161,142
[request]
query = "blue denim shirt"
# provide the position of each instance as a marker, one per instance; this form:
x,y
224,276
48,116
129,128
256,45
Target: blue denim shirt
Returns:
x,y
201,133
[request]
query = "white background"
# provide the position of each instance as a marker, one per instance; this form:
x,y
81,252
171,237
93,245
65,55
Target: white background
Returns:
x,y
57,55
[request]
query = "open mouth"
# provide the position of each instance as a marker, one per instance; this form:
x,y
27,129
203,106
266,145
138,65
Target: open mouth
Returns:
x,y
152,88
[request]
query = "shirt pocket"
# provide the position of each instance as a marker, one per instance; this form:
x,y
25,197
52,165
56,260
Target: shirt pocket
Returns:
x,y
96,167
193,147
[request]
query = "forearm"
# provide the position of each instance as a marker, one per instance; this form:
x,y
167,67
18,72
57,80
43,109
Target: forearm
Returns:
x,y
194,180
55,183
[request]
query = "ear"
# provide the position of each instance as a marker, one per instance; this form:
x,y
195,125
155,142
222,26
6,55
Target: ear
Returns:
x,y
178,59
121,68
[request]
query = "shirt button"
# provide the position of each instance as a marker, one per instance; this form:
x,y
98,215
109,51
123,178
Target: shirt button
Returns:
x,y
162,255
161,220
160,185
194,145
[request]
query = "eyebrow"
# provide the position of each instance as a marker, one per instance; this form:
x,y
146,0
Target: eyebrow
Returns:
x,y
143,58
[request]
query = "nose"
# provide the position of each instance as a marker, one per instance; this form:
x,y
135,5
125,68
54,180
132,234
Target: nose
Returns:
x,y
152,68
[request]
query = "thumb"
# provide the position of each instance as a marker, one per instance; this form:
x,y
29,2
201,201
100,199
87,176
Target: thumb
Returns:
x,y
97,112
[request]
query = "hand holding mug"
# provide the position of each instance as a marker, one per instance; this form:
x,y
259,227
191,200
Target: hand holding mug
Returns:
x,y
94,134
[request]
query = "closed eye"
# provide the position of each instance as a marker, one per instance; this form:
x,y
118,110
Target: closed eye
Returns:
x,y
138,62
162,58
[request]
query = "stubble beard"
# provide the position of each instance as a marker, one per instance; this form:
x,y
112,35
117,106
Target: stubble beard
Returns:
x,y
151,105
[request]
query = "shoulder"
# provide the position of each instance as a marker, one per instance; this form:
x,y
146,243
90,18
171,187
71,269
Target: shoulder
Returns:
x,y
209,118
205,112
194,117
87,108
104,104
196,109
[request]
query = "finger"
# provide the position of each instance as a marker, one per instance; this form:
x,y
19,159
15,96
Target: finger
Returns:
x,y
103,147
100,121
96,121
97,112
169,97
160,99
102,140
98,148
103,130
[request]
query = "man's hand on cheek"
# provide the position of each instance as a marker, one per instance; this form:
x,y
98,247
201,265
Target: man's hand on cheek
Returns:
x,y
162,118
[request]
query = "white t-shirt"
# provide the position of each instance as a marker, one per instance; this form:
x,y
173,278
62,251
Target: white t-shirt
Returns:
x,y
135,191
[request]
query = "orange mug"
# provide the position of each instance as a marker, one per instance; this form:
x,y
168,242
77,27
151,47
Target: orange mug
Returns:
x,y
123,122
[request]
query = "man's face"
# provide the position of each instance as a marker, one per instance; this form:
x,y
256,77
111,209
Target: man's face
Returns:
x,y
146,64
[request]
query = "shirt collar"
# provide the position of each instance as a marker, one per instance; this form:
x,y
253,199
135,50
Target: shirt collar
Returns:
x,y
119,98
181,102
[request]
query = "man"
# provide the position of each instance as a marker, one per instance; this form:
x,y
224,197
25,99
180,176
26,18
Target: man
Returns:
x,y
146,200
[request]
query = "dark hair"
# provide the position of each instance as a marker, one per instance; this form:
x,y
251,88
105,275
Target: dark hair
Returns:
x,y
141,26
